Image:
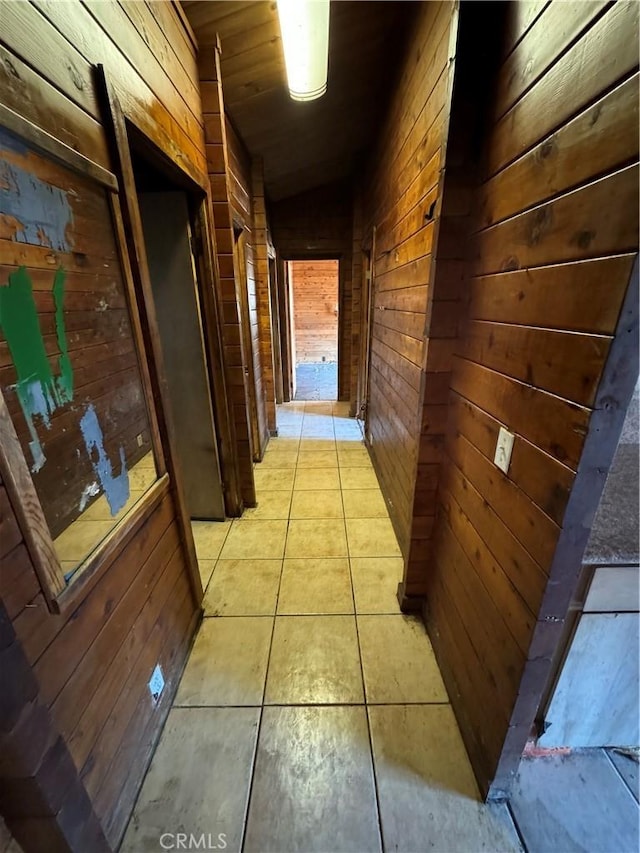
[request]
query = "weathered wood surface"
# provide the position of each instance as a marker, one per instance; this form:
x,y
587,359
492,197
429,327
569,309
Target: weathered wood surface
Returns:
x,y
227,201
549,265
94,661
90,321
401,199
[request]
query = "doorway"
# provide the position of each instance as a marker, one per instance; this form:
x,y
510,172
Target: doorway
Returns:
x,y
168,215
314,288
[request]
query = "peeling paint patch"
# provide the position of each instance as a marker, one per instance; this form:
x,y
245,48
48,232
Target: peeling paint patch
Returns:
x,y
32,210
115,487
38,391
89,491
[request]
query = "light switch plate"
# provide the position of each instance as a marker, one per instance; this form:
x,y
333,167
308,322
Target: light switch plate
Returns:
x,y
504,447
156,683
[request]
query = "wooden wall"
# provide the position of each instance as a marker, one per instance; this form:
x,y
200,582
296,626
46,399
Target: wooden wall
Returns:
x,y
401,191
315,304
92,664
357,307
228,197
41,816
267,341
319,224
241,189
555,236
89,314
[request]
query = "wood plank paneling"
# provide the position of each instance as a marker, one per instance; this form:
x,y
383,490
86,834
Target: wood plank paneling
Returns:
x,y
80,661
554,234
315,303
105,376
319,225
266,337
401,199
318,143
227,197
91,664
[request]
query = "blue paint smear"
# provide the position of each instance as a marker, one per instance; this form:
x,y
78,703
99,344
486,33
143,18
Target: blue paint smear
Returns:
x,y
116,488
12,143
40,212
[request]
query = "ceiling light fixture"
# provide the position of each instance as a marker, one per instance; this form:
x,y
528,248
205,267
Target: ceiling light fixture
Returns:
x,y
304,25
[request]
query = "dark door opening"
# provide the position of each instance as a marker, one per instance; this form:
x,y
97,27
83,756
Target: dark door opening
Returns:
x,y
314,287
167,211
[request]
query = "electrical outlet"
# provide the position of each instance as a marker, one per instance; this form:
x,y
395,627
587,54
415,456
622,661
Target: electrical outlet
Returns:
x,y
504,447
139,440
156,684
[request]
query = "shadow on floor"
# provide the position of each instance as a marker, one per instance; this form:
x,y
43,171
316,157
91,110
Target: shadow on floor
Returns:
x,y
317,381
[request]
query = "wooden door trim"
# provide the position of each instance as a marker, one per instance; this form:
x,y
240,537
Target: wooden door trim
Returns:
x,y
240,262
274,296
214,351
116,129
285,328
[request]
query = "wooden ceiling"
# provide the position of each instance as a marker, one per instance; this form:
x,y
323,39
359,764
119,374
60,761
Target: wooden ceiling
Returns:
x,y
304,144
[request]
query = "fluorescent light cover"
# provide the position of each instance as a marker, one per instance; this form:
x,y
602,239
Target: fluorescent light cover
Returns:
x,y
304,25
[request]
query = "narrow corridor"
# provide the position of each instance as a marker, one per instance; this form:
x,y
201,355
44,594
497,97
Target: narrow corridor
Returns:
x,y
311,714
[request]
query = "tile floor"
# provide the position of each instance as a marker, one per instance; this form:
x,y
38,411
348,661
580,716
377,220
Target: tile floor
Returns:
x,y
311,715
317,380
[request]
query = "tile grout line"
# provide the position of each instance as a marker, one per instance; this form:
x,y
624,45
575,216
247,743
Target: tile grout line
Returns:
x,y
516,827
618,773
364,687
245,822
322,705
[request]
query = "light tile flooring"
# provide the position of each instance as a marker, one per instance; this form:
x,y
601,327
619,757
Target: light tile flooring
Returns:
x,y
311,715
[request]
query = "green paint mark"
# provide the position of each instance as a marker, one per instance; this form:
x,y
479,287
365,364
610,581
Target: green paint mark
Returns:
x,y
65,381
39,392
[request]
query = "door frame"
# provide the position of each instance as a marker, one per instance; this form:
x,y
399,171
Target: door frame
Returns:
x,y
127,134
284,306
240,234
293,257
276,335
366,328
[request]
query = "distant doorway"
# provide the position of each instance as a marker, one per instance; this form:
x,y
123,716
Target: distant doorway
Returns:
x,y
314,291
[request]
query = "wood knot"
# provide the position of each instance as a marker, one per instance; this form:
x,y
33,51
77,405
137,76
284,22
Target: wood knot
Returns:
x,y
541,222
76,77
11,68
510,264
583,238
547,148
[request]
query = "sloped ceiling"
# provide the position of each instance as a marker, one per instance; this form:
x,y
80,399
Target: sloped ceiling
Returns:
x,y
304,144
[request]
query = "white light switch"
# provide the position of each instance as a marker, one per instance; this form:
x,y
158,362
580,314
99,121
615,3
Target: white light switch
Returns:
x,y
503,449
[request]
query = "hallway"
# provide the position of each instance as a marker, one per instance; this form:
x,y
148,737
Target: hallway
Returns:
x,y
298,725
